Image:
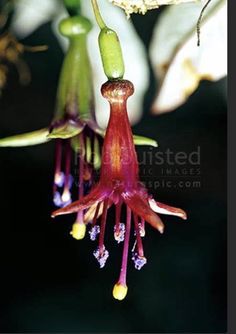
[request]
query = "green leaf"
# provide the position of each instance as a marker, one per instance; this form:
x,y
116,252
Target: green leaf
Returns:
x,y
26,139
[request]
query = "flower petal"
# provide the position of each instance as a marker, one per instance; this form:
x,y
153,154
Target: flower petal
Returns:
x,y
179,64
139,206
141,7
26,139
31,14
166,209
97,195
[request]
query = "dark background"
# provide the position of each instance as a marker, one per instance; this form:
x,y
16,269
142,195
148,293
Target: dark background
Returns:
x,y
52,283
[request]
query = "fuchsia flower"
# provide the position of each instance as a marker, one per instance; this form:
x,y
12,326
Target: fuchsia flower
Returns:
x,y
119,185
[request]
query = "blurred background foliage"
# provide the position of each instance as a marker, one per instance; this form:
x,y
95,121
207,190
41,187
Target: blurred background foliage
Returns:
x,y
51,282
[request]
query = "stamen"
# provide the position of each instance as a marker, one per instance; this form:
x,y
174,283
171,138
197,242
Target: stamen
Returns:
x,y
57,199
101,257
119,232
120,288
139,261
103,226
138,237
58,155
119,229
95,230
96,214
66,196
142,227
59,179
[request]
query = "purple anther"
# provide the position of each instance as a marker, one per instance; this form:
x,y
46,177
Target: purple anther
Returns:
x,y
70,182
141,230
57,199
95,230
101,258
139,261
119,234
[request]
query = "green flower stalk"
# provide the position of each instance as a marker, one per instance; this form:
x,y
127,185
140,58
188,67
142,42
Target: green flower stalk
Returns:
x,y
73,7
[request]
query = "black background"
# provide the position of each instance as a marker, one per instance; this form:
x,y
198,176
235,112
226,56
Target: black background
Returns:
x,y
52,283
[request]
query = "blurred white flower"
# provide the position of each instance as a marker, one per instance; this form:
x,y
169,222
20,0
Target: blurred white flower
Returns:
x,y
178,62
142,6
30,14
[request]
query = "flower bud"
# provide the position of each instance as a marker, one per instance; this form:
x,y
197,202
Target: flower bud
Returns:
x,y
111,54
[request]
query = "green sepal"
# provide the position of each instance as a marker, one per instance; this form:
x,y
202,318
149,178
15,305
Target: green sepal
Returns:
x,y
66,130
140,140
26,139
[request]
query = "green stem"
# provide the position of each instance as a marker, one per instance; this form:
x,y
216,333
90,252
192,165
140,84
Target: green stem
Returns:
x,y
73,6
98,16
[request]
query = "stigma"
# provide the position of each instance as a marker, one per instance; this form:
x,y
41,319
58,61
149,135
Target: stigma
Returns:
x,y
120,291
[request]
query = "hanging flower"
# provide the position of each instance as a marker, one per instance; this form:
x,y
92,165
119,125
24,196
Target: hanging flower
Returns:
x,y
119,185
74,125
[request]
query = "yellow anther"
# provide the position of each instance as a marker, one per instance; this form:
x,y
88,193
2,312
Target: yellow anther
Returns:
x,y
119,291
78,230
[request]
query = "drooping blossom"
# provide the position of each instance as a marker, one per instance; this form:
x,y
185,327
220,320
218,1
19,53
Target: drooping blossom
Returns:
x,y
74,125
119,185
